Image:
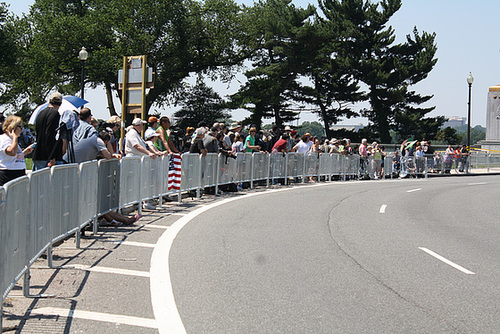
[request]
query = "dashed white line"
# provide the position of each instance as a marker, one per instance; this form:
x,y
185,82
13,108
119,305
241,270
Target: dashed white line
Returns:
x,y
382,208
476,183
105,317
413,190
448,262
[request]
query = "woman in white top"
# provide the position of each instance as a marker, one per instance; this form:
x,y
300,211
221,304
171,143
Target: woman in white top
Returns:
x,y
238,145
12,164
302,146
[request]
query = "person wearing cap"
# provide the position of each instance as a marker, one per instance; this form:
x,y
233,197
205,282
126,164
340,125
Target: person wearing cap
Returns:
x,y
151,137
152,126
48,150
235,127
134,144
84,129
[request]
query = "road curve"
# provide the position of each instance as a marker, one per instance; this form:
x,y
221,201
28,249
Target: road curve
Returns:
x,y
353,257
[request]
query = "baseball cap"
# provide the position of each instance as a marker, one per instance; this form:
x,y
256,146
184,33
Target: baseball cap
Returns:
x,y
138,121
152,119
56,98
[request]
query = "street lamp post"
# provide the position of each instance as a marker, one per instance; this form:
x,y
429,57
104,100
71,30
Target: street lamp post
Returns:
x,y
83,55
470,80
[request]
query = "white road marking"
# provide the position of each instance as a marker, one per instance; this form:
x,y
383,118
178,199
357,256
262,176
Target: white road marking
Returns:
x,y
448,262
105,317
162,295
108,270
476,183
133,243
154,226
382,208
413,190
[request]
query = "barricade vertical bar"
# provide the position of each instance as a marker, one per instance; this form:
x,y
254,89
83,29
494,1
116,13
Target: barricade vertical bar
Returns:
x,y
286,170
304,169
200,175
252,164
217,166
425,168
268,170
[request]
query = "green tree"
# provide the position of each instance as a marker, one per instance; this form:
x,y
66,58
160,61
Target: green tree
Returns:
x,y
201,103
448,136
180,37
279,39
7,47
314,128
388,69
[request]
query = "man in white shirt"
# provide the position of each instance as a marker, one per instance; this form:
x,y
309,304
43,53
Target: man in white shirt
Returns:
x,y
134,144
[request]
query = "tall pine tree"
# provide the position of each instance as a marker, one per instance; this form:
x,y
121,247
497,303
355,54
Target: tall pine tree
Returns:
x,y
387,69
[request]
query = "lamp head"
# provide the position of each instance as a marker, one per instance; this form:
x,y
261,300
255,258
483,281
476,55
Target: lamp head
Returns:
x,y
83,55
470,79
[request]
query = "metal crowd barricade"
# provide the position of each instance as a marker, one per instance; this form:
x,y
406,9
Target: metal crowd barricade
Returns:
x,y
64,213
14,233
295,165
190,172
87,194
243,167
311,161
209,170
260,166
130,182
150,174
39,204
326,165
278,165
338,165
108,187
226,170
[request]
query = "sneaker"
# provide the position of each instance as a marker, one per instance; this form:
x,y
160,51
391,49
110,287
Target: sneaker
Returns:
x,y
148,206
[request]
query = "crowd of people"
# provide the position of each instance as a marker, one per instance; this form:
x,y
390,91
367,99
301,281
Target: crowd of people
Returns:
x,y
78,137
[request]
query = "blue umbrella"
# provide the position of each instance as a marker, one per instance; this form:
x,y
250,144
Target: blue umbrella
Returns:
x,y
69,102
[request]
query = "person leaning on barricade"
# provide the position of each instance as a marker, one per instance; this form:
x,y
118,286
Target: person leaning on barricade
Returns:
x,y
112,126
134,144
92,148
197,144
12,164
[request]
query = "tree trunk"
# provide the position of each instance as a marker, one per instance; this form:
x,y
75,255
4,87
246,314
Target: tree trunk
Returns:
x,y
109,96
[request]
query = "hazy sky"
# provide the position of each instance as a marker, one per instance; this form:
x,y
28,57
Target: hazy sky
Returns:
x,y
467,38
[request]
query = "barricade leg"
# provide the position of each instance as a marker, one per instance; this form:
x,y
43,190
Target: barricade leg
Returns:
x,y
95,225
26,287
77,239
49,257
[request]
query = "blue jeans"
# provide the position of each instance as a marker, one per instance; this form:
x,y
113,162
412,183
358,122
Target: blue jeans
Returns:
x,y
40,164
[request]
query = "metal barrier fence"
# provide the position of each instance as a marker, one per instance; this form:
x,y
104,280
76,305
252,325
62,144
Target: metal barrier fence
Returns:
x,y
52,204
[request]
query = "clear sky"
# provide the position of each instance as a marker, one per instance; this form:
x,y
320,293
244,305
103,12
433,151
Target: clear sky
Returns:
x,y
467,40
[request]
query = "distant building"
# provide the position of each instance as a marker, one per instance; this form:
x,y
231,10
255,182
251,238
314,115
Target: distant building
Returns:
x,y
455,122
492,141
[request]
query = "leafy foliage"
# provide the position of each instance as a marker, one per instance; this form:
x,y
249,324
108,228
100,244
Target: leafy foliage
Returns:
x,y
201,104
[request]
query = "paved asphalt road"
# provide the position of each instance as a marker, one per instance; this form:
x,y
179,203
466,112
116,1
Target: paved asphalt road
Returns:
x,y
403,256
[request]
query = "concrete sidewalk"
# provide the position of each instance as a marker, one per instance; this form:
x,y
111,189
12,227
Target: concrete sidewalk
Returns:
x,y
103,287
